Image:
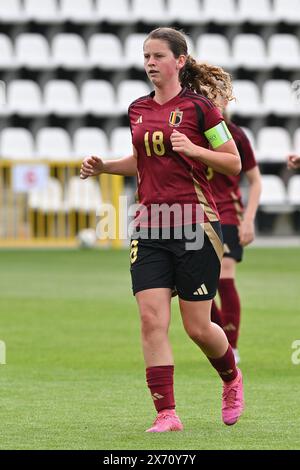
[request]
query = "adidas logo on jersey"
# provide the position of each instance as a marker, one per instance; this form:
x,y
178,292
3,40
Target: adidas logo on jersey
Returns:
x,y
139,120
201,290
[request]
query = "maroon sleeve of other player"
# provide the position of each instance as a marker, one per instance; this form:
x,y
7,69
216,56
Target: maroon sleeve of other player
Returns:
x,y
244,147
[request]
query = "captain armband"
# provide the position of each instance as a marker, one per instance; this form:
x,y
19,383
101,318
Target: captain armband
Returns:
x,y
218,135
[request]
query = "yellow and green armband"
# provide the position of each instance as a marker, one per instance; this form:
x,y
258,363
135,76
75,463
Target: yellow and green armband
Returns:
x,y
218,135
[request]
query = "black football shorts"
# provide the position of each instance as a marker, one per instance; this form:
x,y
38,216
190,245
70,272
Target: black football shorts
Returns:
x,y
232,247
192,265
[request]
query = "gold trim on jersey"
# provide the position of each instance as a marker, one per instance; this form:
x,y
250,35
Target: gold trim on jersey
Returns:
x,y
237,206
212,217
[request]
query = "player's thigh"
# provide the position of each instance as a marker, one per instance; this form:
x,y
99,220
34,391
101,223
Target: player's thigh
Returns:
x,y
151,265
195,315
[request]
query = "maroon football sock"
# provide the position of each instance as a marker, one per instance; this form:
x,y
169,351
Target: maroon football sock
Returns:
x,y
160,382
225,365
215,314
230,310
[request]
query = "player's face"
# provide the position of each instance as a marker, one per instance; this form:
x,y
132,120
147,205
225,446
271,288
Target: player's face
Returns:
x,y
160,64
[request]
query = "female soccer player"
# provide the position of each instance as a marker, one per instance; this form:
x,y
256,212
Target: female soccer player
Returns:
x,y
237,227
172,129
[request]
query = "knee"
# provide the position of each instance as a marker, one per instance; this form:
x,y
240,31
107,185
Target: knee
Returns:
x,y
199,335
151,320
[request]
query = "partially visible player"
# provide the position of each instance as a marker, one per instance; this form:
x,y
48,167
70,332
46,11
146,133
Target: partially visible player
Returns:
x,y
293,162
237,228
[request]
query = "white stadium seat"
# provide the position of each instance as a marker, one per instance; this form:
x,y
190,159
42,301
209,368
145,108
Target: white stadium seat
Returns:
x,y
105,51
83,195
61,97
69,51
32,50
255,11
53,143
128,91
7,59
11,11
284,51
16,143
293,190
47,199
273,144
278,98
249,133
190,13
98,97
89,141
296,140
24,97
287,10
78,11
249,51
149,12
120,142
220,11
116,11
273,194
214,49
42,11
133,49
247,100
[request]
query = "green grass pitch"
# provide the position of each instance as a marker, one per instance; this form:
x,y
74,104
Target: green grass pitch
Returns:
x,y
74,377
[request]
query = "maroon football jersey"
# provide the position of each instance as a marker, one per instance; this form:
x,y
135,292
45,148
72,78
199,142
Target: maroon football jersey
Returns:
x,y
165,176
226,191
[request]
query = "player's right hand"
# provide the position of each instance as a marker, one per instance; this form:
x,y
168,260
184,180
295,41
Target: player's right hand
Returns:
x,y
91,166
293,162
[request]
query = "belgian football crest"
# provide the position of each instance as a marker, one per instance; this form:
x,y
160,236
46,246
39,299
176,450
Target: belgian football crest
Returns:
x,y
175,118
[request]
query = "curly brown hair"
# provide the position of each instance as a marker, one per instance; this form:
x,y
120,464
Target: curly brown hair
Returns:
x,y
203,78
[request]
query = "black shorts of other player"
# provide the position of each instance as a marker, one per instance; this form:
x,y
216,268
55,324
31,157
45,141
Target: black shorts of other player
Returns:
x,y
232,247
192,267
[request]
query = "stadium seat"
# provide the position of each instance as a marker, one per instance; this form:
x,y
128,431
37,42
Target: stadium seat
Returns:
x,y
247,101
16,143
98,97
47,199
277,97
214,49
24,97
273,196
293,190
190,14
133,49
116,11
61,97
149,12
284,51
89,141
32,51
11,11
53,143
105,51
249,51
45,11
255,11
287,11
128,91
7,59
83,195
120,142
220,11
273,144
77,11
69,51
296,140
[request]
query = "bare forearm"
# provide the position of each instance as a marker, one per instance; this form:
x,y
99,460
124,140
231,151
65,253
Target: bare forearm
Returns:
x,y
125,166
222,162
253,201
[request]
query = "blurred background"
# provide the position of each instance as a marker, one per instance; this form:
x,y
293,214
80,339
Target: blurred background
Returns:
x,y
70,68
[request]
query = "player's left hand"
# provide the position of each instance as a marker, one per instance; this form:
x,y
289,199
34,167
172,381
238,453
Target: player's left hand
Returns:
x,y
246,232
182,144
